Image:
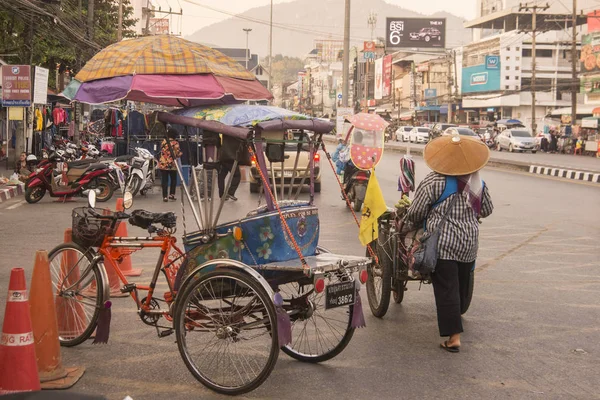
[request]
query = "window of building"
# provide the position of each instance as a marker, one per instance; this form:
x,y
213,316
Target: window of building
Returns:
x,y
507,77
526,53
517,48
517,68
517,58
507,58
545,53
506,87
507,68
508,49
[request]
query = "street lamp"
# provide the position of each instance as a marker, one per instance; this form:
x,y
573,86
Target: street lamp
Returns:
x,y
247,30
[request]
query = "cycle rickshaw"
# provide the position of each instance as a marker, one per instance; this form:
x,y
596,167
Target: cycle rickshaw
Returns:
x,y
243,289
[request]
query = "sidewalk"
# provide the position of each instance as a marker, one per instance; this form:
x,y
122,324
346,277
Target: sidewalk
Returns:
x,y
567,166
7,192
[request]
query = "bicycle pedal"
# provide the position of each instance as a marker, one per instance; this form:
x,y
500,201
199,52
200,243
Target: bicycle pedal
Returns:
x,y
130,287
165,333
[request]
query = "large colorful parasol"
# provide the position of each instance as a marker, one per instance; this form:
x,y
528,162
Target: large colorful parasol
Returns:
x,y
164,70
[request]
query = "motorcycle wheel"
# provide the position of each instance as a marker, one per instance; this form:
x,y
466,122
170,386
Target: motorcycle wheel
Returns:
x,y
357,205
134,185
34,194
106,190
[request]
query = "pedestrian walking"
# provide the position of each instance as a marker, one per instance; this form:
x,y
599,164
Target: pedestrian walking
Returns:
x,y
231,150
454,191
166,165
225,169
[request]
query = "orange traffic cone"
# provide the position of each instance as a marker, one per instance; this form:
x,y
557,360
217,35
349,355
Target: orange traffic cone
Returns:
x,y
69,313
18,369
125,259
45,330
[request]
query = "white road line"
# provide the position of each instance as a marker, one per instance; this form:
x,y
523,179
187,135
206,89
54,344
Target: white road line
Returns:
x,y
19,204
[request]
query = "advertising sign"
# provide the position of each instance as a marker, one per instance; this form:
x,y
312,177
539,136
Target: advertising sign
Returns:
x,y
492,62
16,86
480,79
590,85
342,112
379,79
387,75
159,26
415,32
40,86
369,46
593,21
423,67
590,53
369,55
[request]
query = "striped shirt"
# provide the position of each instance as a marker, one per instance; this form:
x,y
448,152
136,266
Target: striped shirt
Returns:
x,y
459,238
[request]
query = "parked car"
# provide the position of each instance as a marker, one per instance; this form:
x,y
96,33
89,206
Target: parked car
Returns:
x,y
438,129
419,135
517,139
290,151
402,133
460,131
426,34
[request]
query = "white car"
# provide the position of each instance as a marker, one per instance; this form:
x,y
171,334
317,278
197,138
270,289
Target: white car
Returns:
x,y
403,132
419,135
460,131
517,139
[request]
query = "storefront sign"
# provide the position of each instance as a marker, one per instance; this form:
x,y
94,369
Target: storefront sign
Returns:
x,y
423,67
369,46
369,55
480,79
492,62
590,84
415,32
387,75
590,53
40,86
379,78
593,21
16,113
16,86
589,123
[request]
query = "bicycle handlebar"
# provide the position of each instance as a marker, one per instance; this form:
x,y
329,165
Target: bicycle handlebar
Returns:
x,y
115,216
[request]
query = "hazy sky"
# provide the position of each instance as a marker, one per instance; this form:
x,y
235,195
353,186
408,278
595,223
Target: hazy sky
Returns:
x,y
196,17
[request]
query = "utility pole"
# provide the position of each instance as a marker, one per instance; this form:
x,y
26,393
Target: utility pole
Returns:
x,y
120,27
247,30
450,96
372,22
90,20
270,47
534,10
366,89
346,58
574,85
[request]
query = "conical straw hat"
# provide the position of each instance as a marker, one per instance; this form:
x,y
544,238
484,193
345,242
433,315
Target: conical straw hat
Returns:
x,y
456,155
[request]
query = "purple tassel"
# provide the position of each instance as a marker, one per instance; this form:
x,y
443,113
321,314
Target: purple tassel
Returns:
x,y
103,326
284,325
358,318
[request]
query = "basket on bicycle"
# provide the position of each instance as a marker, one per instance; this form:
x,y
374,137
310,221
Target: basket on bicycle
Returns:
x,y
89,230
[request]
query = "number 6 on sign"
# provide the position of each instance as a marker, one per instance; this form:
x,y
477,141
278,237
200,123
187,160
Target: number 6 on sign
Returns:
x,y
395,37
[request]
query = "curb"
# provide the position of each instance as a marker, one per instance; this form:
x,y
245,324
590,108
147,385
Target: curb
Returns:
x,y
9,192
565,173
559,172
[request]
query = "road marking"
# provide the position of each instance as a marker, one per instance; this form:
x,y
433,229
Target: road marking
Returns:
x,y
551,178
19,204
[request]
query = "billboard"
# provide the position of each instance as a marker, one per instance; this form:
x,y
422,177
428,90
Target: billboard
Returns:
x,y
590,53
415,32
492,62
387,75
479,78
379,78
40,87
16,85
159,26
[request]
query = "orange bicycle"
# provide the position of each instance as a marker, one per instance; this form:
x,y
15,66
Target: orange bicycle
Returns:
x,y
79,275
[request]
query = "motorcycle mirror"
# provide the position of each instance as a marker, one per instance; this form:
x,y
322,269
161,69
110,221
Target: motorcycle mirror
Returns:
x,y
92,198
127,200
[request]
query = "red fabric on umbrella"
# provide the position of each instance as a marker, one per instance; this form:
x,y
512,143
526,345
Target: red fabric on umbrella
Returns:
x,y
244,90
368,122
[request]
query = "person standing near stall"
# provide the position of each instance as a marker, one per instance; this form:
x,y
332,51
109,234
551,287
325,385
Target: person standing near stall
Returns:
x,y
166,165
454,198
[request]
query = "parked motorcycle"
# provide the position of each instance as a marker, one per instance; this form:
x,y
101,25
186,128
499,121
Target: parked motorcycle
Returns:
x,y
141,174
82,176
356,181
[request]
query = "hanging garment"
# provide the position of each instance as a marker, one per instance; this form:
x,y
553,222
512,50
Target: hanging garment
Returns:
x,y
108,146
39,120
135,124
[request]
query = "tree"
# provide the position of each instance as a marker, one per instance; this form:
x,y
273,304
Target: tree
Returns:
x,y
50,35
285,68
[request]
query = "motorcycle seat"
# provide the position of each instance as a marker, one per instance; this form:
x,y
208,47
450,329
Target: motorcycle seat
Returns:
x,y
144,219
124,158
97,166
80,163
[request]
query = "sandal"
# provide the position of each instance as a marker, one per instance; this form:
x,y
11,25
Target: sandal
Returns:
x,y
172,197
451,349
166,199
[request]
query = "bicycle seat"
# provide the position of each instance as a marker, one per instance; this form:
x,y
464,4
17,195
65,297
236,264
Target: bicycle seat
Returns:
x,y
144,219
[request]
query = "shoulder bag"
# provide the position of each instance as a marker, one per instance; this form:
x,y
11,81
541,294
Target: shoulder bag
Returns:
x,y
426,254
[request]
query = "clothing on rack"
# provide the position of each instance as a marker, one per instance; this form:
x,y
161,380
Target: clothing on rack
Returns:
x,y
135,124
108,146
39,120
96,115
59,116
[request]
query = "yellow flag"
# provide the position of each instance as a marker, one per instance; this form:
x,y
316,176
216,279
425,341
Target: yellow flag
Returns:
x,y
372,209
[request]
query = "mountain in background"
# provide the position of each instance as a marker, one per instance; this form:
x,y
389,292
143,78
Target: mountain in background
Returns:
x,y
297,24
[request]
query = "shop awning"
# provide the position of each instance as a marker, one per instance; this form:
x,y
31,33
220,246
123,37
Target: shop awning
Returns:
x,y
406,115
429,108
582,109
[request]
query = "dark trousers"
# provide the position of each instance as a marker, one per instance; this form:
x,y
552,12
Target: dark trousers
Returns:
x,y
225,169
165,175
450,287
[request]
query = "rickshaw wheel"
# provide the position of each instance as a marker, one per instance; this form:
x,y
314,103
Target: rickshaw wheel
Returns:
x,y
317,334
379,281
223,323
398,292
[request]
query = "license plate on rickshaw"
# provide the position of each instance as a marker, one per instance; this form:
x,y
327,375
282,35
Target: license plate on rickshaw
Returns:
x,y
339,294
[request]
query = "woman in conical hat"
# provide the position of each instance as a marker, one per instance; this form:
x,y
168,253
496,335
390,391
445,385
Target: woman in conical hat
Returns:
x,y
455,161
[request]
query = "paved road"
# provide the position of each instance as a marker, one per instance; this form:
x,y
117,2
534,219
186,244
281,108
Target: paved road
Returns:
x,y
535,303
582,163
